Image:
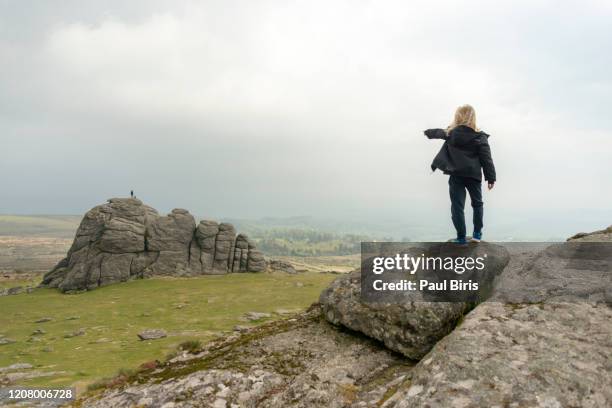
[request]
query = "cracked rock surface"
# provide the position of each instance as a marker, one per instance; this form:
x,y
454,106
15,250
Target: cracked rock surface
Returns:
x,y
537,355
407,326
126,239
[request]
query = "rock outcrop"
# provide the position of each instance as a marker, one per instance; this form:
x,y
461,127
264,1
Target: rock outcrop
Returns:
x,y
410,328
152,334
407,326
576,271
542,340
595,236
551,353
277,265
531,355
126,239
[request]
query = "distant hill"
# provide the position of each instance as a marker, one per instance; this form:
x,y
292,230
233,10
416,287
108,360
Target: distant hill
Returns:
x,y
60,226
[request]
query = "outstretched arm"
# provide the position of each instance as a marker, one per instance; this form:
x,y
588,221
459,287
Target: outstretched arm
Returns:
x,y
436,134
486,161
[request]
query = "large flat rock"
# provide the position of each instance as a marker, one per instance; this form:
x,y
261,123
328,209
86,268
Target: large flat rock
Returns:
x,y
538,355
575,271
404,324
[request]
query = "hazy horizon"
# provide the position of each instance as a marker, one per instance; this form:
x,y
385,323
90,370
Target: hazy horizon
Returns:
x,y
240,109
503,227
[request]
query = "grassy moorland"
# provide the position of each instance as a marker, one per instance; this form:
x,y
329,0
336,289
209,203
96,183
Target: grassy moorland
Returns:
x,y
57,226
332,263
110,318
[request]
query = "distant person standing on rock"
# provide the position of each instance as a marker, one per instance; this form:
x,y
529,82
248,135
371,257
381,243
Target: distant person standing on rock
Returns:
x,y
132,193
464,156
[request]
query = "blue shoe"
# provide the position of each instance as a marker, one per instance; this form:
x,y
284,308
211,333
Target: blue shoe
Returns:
x,y
476,237
460,241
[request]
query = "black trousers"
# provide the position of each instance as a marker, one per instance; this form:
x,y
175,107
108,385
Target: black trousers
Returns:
x,y
457,186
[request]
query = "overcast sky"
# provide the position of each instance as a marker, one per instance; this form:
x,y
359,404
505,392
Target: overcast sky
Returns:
x,y
253,108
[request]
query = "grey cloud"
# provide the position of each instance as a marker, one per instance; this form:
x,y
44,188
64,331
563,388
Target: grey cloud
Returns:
x,y
265,108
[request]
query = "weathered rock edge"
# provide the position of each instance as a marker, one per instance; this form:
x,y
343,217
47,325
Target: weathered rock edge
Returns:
x,y
595,236
125,239
404,325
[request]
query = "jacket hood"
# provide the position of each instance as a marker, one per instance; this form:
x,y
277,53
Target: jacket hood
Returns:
x,y
464,135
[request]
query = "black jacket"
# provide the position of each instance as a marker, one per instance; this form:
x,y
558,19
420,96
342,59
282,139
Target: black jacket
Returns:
x,y
464,153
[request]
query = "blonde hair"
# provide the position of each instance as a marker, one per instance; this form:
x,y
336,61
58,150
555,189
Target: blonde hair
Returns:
x,y
465,115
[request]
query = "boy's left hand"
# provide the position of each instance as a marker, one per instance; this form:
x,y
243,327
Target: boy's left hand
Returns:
x,y
491,185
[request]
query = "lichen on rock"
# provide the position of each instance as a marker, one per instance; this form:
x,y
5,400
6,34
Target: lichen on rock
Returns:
x,y
125,239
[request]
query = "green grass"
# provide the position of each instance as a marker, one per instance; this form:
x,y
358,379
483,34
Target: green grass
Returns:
x,y
189,309
26,281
